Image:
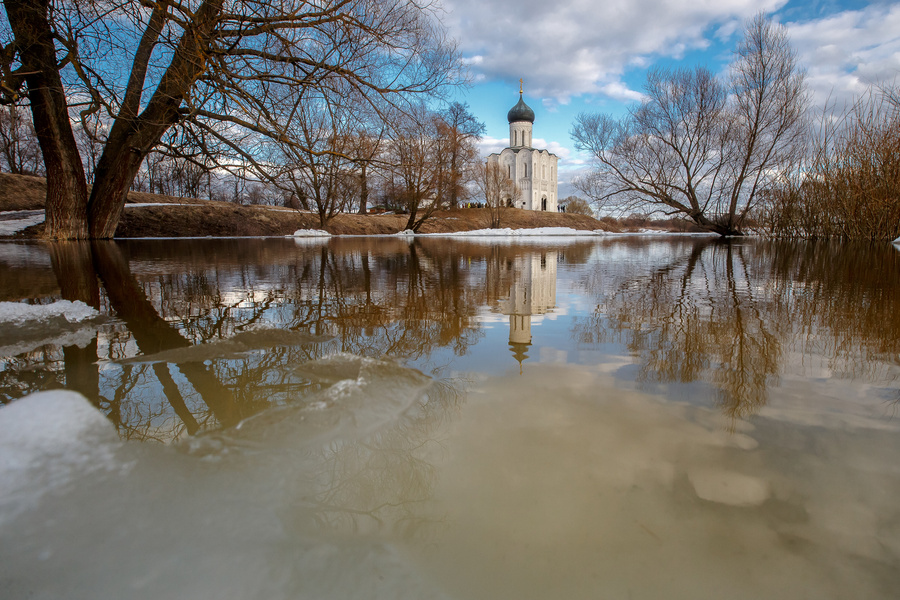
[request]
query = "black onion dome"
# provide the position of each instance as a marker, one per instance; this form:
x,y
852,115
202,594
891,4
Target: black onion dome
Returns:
x,y
520,112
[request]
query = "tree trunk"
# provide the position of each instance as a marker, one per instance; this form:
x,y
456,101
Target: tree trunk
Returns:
x,y
363,191
132,138
67,198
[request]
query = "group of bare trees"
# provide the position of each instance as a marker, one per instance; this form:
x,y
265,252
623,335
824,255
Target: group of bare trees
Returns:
x,y
217,72
19,152
496,187
848,184
742,153
700,145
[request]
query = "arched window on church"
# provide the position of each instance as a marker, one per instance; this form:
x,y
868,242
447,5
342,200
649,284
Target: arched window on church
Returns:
x,y
526,169
509,170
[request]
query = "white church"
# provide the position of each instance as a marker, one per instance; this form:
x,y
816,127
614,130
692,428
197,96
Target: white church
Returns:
x,y
533,170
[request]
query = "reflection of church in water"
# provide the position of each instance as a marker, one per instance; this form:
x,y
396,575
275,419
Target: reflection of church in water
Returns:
x,y
526,287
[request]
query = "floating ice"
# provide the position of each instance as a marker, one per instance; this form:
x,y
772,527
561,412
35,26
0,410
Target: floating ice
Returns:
x,y
46,440
314,233
358,395
80,337
17,313
728,487
244,342
24,327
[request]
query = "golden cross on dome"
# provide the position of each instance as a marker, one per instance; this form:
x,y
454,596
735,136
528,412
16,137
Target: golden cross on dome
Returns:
x,y
521,82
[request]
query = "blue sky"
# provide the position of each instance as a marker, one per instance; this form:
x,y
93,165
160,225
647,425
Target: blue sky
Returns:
x,y
584,55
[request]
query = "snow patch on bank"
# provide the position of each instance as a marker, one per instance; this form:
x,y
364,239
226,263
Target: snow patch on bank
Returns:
x,y
507,232
13,222
542,232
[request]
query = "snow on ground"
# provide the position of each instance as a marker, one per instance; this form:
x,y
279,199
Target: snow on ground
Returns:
x,y
14,221
140,204
541,232
506,232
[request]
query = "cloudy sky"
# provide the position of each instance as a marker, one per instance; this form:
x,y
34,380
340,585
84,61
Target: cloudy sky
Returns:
x,y
585,55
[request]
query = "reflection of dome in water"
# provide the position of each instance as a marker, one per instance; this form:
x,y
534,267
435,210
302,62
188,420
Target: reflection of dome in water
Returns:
x,y
519,352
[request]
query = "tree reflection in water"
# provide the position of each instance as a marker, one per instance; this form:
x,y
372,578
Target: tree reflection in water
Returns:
x,y
209,332
734,313
150,374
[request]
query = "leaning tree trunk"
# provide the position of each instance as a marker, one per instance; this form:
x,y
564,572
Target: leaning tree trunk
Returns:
x,y
67,198
133,136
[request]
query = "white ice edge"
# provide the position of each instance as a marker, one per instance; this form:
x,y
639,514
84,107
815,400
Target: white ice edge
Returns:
x,y
544,232
18,313
314,233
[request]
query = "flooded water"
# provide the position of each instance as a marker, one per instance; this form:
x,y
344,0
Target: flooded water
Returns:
x,y
434,418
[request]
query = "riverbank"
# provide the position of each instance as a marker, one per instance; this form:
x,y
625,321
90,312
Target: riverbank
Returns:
x,y
155,216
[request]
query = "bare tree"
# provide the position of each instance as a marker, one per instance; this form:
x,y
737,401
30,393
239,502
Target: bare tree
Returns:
x,y
366,146
698,146
577,206
19,152
317,162
497,189
413,164
198,65
461,131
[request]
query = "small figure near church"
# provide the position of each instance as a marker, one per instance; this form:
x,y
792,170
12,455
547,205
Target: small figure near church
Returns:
x,y
532,170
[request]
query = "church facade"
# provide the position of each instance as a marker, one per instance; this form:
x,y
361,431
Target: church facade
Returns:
x,y
533,170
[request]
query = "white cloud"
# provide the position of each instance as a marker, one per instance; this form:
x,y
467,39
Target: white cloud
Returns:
x,y
848,52
623,93
566,49
491,145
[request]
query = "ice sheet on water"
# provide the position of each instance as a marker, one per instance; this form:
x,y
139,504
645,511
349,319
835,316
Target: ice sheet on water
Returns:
x,y
311,233
24,327
46,440
356,396
172,524
20,314
241,343
80,337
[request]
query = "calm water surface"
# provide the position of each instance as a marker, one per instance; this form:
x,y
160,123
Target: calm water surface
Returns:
x,y
377,418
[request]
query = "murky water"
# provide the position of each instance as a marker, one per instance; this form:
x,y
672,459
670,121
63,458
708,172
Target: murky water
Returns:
x,y
378,418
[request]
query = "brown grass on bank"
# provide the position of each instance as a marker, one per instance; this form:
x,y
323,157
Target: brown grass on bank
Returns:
x,y
190,217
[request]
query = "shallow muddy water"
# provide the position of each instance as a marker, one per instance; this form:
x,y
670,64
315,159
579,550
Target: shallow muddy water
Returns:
x,y
432,418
